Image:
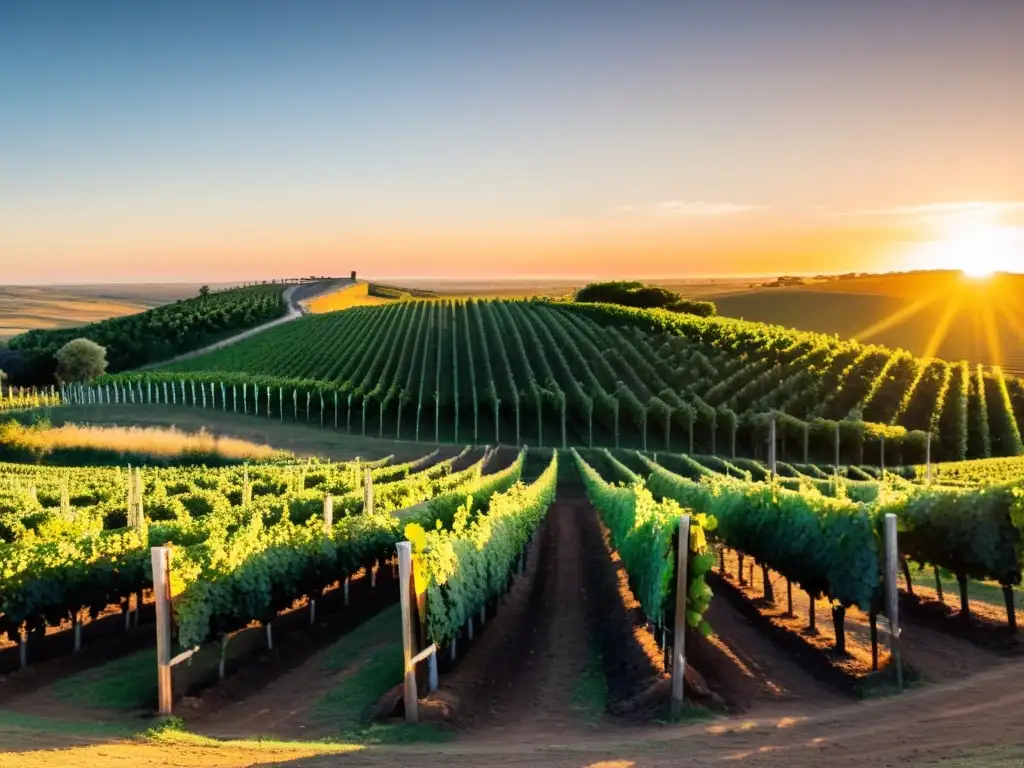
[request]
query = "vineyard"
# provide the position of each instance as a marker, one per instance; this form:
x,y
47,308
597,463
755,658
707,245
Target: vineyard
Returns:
x,y
71,544
614,538
271,548
158,334
562,374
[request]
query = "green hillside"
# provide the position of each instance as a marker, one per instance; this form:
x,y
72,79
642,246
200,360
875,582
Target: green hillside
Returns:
x,y
925,313
562,373
160,333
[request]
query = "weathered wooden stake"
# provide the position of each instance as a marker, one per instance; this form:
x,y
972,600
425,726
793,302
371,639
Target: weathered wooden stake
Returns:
x,y
938,585
161,559
346,591
408,637
368,493
679,629
432,672
892,595
328,515
270,635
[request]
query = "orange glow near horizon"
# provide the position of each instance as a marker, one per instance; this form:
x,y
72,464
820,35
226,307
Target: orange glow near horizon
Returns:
x,y
685,244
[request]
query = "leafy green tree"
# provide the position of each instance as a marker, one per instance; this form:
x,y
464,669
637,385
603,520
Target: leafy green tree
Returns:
x,y
81,360
204,291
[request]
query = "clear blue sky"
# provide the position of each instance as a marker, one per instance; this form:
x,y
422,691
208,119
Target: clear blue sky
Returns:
x,y
229,140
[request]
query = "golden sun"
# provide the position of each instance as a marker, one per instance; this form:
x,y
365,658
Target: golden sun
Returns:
x,y
977,246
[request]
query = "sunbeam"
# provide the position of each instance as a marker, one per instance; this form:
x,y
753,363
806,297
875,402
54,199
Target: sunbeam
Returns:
x,y
898,317
992,341
942,328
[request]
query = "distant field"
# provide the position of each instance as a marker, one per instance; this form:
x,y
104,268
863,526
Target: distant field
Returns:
x,y
851,307
23,308
348,296
514,289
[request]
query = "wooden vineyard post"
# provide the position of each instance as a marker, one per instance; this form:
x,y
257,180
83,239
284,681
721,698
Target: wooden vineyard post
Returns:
x,y
368,493
771,448
328,514
405,590
892,595
161,557
679,630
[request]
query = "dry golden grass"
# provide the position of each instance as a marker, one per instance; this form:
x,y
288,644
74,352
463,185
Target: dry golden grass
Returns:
x,y
24,308
351,296
152,441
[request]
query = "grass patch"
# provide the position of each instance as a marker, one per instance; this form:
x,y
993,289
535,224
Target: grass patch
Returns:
x,y
982,591
368,663
171,731
300,438
11,721
362,684
883,682
590,691
86,442
127,683
402,733
386,625
690,713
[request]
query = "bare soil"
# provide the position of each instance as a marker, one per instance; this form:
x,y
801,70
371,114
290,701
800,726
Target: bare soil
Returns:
x,y
518,677
934,654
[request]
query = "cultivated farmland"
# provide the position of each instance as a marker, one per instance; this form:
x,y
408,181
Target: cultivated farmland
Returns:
x,y
572,498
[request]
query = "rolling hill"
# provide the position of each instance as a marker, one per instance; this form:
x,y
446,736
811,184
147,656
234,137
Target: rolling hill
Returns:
x,y
938,314
563,373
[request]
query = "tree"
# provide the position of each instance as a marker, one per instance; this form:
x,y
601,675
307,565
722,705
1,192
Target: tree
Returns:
x,y
81,360
636,294
204,291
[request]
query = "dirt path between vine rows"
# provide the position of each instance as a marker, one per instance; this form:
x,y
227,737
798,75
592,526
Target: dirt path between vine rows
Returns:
x,y
517,680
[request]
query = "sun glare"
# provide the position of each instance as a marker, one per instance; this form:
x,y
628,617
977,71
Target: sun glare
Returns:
x,y
974,244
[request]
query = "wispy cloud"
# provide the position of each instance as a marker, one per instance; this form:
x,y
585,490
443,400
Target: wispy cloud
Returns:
x,y
687,208
941,210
